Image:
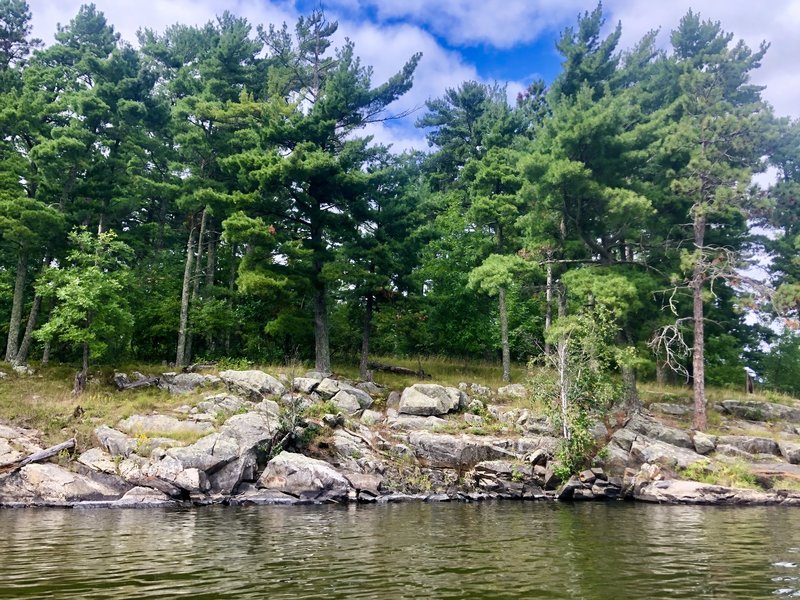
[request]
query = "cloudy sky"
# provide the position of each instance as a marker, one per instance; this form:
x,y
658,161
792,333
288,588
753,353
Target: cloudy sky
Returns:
x,y
508,41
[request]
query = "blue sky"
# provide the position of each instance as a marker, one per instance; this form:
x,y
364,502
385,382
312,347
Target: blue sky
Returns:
x,y
508,41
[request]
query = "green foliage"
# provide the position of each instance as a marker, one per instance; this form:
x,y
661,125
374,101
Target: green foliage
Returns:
x,y
737,474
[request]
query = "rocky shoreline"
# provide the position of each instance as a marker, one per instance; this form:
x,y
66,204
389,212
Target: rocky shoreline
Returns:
x,y
256,439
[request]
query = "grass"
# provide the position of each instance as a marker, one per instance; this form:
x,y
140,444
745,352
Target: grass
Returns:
x,y
736,474
45,402
677,394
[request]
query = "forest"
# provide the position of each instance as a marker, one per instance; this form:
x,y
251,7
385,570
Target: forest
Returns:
x,y
208,193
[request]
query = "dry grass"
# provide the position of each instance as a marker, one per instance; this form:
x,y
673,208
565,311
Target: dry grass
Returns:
x,y
45,402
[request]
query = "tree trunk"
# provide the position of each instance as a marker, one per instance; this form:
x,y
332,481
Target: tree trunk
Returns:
x,y
16,306
698,349
321,348
198,271
548,310
211,270
563,379
363,365
27,338
231,288
501,301
632,402
83,374
661,373
180,358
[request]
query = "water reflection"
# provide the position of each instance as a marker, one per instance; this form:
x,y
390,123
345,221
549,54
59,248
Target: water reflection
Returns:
x,y
507,550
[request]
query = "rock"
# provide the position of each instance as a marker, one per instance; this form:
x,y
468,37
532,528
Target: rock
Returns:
x,y
346,402
393,400
538,457
412,423
427,399
749,444
790,451
587,476
263,498
305,385
514,390
253,385
704,443
474,420
317,375
551,480
598,431
304,477
761,411
98,460
645,450
567,490
476,389
371,417
115,442
208,454
144,497
369,387
675,410
244,468
221,404
120,380
249,430
455,452
364,399
163,425
193,481
365,483
651,428
3,375
674,491
48,484
183,383
328,388
269,407
23,370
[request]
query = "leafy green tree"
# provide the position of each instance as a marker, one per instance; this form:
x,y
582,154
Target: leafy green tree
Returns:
x,y
91,311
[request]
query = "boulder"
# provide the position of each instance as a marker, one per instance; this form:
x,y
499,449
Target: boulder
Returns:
x,y
249,430
193,481
253,385
23,370
412,423
426,399
653,429
674,410
790,451
371,417
704,443
115,442
369,387
144,497
750,444
363,398
305,385
183,383
48,484
346,402
514,390
304,477
98,460
455,452
674,491
393,400
317,375
221,404
761,411
365,483
327,388
208,454
645,450
163,425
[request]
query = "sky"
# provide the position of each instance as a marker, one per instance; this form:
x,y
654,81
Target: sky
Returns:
x,y
511,42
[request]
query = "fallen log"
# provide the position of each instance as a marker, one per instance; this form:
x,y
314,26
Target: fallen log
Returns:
x,y
39,456
398,370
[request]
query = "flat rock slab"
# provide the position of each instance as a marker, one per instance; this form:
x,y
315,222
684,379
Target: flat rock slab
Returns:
x,y
675,491
455,452
254,385
761,411
164,425
48,484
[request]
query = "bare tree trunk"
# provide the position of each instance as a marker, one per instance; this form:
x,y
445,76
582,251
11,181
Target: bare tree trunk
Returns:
x,y
322,351
27,337
661,373
698,349
501,295
46,353
180,358
83,374
198,270
563,379
211,260
548,310
363,365
231,287
632,402
16,306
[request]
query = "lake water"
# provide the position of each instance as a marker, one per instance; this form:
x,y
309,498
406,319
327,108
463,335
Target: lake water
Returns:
x,y
609,551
